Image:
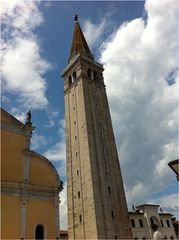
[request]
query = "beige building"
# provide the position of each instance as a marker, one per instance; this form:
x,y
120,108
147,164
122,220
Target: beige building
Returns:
x,y
97,206
30,185
148,223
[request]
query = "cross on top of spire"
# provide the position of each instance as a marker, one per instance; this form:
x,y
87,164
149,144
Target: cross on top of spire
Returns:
x,y
75,18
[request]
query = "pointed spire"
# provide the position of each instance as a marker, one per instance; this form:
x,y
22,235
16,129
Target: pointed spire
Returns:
x,y
79,44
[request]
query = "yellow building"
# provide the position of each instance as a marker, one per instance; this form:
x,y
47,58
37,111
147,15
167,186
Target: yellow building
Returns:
x,y
30,185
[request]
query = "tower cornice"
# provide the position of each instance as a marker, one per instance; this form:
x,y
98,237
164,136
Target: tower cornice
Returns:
x,y
80,57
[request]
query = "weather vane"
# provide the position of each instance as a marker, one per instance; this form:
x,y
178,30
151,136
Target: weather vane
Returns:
x,y
76,17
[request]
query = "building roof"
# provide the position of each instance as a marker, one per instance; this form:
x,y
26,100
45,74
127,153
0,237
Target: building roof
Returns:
x,y
5,116
165,214
148,205
79,44
140,213
8,120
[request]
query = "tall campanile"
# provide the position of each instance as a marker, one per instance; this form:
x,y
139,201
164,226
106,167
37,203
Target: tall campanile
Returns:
x,y
97,206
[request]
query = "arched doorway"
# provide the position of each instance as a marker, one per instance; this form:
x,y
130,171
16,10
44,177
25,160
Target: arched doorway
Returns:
x,y
155,226
39,232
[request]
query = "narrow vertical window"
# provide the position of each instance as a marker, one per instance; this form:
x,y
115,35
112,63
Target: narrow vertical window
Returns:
x,y
141,223
168,223
78,194
39,232
75,137
112,214
75,122
76,154
133,223
77,172
80,218
109,190
161,223
106,169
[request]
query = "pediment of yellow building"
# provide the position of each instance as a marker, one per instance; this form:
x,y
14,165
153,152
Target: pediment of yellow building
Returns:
x,y
9,119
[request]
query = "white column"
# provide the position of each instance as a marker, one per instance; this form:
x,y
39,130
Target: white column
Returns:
x,y
57,214
27,159
26,167
23,217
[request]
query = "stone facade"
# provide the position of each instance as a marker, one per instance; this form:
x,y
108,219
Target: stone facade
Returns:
x,y
143,222
97,206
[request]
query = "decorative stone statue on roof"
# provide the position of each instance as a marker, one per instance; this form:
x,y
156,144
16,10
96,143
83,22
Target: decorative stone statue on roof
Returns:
x,y
28,117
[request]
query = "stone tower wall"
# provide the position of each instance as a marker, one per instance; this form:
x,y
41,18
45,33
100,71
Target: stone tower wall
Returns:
x,y
96,201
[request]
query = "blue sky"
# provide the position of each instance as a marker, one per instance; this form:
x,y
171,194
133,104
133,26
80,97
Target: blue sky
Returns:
x,y
137,43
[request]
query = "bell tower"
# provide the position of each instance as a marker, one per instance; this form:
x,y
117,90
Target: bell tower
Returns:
x,y
97,206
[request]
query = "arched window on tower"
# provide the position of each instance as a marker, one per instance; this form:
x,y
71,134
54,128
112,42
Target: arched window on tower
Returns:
x,y
89,72
39,232
94,75
69,80
152,221
73,76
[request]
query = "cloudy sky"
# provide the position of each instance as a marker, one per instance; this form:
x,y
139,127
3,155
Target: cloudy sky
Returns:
x,y
137,43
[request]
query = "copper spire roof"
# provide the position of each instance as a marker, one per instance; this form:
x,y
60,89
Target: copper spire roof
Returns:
x,y
79,44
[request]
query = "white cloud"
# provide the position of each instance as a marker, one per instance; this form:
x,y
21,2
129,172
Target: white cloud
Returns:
x,y
138,60
63,208
52,118
94,32
168,203
26,78
38,141
20,14
58,151
22,66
